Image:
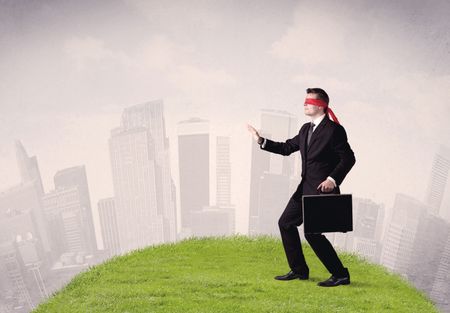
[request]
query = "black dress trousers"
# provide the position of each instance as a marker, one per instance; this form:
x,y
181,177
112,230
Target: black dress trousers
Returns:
x,y
290,219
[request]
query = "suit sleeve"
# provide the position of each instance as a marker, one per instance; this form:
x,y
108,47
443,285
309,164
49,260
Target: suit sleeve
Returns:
x,y
345,155
283,148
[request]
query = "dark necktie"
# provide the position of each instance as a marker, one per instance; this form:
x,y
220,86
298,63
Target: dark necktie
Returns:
x,y
310,131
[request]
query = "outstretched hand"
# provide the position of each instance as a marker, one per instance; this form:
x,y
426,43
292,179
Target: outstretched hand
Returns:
x,y
253,131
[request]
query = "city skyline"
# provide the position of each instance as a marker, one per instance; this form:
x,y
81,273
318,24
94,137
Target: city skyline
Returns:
x,y
174,53
375,236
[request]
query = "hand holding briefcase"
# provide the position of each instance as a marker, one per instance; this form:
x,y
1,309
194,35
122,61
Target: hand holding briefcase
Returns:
x,y
326,213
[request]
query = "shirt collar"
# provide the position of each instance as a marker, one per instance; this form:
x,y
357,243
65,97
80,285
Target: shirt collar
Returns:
x,y
317,120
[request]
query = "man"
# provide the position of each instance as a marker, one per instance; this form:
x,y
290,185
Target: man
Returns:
x,y
326,160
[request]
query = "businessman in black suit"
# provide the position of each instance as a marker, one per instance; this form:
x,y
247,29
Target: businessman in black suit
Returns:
x,y
326,160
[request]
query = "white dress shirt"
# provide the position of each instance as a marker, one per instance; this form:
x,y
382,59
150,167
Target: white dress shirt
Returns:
x,y
316,122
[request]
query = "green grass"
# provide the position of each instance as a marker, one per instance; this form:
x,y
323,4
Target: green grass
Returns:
x,y
232,274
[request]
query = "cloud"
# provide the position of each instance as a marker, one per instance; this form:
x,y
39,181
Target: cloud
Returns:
x,y
325,33
421,99
328,83
178,64
163,54
195,80
315,37
86,49
159,58
357,36
179,14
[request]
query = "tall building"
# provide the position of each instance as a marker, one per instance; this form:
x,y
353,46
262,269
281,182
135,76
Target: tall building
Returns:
x,y
218,220
23,258
438,180
267,169
108,223
280,126
193,160
143,186
65,215
440,292
274,194
25,246
365,239
76,177
223,180
223,171
28,168
398,242
28,248
15,293
259,164
28,194
429,243
150,115
21,212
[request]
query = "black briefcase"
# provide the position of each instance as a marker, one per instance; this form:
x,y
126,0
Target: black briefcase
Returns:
x,y
327,213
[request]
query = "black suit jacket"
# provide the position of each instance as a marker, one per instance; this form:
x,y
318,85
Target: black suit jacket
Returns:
x,y
328,154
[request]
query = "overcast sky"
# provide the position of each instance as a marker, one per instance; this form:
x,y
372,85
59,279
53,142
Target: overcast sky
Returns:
x,y
69,68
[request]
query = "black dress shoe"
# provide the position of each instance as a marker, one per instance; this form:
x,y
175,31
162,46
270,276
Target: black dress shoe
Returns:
x,y
292,275
334,281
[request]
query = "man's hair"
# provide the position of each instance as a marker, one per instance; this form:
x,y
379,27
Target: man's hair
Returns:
x,y
320,94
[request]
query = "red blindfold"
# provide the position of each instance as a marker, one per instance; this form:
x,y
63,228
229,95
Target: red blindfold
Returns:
x,y
321,103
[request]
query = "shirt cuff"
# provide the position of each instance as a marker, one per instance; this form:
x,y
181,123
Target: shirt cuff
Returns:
x,y
332,179
264,143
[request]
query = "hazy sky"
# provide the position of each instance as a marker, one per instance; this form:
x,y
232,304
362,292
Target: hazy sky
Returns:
x,y
69,68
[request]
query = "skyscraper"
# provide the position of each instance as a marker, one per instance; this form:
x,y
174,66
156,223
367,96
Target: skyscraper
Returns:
x,y
223,181
193,160
440,292
365,239
19,208
150,115
259,164
76,177
429,243
280,126
438,180
271,174
28,248
218,220
28,167
223,171
16,288
25,250
108,223
143,187
273,192
31,185
399,238
64,212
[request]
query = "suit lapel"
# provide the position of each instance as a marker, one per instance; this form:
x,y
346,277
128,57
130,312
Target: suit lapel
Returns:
x,y
303,142
318,130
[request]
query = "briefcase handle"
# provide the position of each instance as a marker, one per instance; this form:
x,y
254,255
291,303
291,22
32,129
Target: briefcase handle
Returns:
x,y
327,193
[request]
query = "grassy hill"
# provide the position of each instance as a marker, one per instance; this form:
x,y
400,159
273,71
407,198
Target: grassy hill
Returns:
x,y
233,274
